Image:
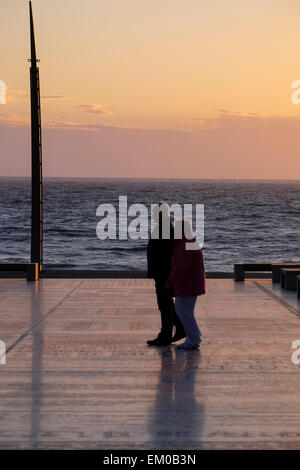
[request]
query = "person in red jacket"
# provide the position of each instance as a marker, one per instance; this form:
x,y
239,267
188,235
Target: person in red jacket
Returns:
x,y
187,279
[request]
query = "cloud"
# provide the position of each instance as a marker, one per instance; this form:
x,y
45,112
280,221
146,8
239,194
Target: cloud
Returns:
x,y
231,144
13,120
79,126
227,119
221,112
94,109
13,95
56,97
59,124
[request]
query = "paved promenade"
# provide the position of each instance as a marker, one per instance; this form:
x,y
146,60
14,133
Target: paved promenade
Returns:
x,y
79,375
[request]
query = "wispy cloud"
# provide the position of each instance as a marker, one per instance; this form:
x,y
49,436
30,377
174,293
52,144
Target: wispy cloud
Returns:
x,y
13,95
244,120
79,126
56,97
13,120
221,112
60,124
94,109
226,120
232,144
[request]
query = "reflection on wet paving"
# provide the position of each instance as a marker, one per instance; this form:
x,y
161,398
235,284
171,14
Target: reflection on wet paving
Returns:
x,y
178,412
37,365
79,375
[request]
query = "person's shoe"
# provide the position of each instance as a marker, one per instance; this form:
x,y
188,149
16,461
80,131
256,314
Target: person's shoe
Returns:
x,y
188,346
178,335
159,341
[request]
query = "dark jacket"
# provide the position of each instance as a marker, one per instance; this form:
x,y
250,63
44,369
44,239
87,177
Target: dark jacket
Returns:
x,y
187,274
159,254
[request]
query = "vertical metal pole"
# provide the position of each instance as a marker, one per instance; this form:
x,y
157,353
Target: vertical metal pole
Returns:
x,y
36,155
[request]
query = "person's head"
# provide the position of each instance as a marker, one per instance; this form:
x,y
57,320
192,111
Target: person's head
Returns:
x,y
161,210
183,229
161,218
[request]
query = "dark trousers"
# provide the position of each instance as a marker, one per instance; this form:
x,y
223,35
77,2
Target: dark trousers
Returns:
x,y
167,309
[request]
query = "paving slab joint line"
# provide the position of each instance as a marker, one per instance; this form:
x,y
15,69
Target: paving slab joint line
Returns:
x,y
42,319
289,307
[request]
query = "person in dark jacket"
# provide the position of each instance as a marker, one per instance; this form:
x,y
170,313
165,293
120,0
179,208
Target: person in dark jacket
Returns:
x,y
187,279
159,254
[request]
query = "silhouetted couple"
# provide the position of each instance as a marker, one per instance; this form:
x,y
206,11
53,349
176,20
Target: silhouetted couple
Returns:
x,y
177,267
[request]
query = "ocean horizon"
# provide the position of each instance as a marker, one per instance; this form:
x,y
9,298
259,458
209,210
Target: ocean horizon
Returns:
x,y
245,220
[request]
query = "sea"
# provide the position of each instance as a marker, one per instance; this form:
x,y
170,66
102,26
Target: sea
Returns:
x,y
244,221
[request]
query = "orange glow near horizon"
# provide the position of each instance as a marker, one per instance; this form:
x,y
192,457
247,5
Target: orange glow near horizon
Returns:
x,y
214,75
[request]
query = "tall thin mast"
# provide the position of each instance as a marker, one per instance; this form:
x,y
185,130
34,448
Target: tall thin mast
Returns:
x,y
36,155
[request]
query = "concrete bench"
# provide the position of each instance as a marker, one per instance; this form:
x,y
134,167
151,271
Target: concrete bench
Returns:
x,y
288,278
13,266
276,269
241,268
298,286
30,270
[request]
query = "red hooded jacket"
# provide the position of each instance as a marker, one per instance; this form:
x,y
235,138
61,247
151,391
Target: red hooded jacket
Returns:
x,y
187,270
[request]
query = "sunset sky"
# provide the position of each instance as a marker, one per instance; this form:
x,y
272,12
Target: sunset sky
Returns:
x,y
160,88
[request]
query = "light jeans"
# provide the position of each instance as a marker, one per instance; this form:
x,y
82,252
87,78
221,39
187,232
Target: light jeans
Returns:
x,y
184,307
